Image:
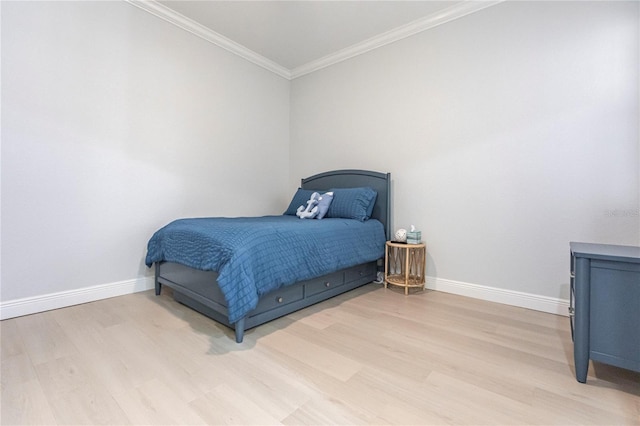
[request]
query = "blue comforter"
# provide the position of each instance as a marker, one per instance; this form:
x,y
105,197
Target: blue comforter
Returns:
x,y
256,255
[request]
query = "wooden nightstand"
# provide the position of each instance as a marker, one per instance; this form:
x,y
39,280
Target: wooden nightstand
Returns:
x,y
404,265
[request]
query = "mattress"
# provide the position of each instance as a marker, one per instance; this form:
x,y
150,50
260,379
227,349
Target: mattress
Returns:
x,y
256,255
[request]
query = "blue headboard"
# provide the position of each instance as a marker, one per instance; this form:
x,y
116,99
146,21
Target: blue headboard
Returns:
x,y
380,182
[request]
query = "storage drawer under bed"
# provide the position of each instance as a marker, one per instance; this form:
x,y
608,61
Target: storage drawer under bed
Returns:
x,y
280,297
367,270
200,291
324,283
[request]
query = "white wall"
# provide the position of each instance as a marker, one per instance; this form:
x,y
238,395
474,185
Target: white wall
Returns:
x,y
508,133
115,122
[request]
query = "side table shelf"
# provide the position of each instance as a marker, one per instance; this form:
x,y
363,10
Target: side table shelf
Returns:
x,y
404,265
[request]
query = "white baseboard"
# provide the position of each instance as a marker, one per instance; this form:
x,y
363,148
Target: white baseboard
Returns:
x,y
508,297
32,305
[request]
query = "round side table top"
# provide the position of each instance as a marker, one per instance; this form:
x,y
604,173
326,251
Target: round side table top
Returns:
x,y
404,245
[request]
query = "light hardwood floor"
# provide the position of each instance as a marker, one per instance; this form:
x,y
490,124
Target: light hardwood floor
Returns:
x,y
372,356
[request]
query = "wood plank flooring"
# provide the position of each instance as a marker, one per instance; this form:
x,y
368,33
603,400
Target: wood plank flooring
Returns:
x,y
372,356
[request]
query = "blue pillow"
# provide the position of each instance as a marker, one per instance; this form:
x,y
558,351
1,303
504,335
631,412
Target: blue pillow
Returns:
x,y
352,203
300,198
323,204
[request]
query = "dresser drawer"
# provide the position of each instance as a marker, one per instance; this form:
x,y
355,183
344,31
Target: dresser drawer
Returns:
x,y
280,297
324,283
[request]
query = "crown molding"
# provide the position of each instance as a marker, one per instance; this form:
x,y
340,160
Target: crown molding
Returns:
x,y
456,11
446,15
205,33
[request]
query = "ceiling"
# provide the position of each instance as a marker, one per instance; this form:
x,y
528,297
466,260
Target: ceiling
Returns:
x,y
295,37
293,33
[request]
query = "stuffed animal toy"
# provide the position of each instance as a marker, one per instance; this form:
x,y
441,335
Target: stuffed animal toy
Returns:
x,y
311,210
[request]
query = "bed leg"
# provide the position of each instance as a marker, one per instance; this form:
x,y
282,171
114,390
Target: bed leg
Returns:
x,y
239,326
158,284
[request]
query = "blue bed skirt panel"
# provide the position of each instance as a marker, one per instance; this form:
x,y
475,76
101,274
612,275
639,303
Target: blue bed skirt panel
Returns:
x,y
256,255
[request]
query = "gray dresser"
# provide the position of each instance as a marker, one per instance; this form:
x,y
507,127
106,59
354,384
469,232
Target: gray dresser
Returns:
x,y
605,306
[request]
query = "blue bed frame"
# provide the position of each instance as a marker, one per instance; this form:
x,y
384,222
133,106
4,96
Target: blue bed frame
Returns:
x,y
199,289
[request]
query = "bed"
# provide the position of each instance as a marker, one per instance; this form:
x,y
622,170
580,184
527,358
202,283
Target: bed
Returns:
x,y
264,268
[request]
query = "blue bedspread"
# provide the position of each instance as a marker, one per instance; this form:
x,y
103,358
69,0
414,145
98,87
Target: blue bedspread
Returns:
x,y
256,255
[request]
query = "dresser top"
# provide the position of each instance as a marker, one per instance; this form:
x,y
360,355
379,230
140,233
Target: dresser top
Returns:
x,y
606,252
